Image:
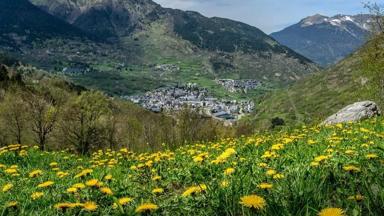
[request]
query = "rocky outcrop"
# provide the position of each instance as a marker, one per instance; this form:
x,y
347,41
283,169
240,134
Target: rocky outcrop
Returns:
x,y
354,112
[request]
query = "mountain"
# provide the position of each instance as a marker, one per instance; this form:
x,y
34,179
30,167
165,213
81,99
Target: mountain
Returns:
x,y
128,40
106,19
359,77
326,40
23,23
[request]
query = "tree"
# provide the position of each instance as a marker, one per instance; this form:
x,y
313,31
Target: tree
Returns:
x,y
373,56
277,121
84,121
13,112
43,116
377,14
193,126
112,129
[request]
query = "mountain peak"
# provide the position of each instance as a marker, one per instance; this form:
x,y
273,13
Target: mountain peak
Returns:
x,y
313,20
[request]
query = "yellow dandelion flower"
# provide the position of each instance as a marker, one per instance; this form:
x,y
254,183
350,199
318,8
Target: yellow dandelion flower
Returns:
x,y
146,207
7,187
315,164
263,165
37,195
269,154
93,183
124,201
72,190
351,168
277,147
64,206
10,171
108,177
224,184
156,178
278,176
53,164
90,206
265,185
271,172
229,171
84,173
194,190
11,204
253,201
106,190
339,125
79,186
371,156
61,174
357,197
45,184
115,206
198,159
320,158
332,212
35,173
350,152
157,190
224,156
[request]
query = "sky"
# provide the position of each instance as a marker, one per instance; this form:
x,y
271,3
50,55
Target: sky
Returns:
x,y
269,15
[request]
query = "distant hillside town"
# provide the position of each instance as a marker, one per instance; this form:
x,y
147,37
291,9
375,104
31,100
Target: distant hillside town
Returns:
x,y
238,85
175,98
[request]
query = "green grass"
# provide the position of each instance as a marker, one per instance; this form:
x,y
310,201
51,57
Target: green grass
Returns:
x,y
303,189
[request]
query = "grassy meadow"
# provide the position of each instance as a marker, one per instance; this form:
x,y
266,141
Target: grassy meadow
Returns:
x,y
329,170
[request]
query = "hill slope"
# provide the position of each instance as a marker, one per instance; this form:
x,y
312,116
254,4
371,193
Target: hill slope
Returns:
x,y
38,107
326,40
312,99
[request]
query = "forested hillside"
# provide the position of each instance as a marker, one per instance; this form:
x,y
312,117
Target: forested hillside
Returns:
x,y
46,110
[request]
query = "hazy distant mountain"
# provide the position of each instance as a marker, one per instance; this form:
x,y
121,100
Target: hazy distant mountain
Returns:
x,y
326,40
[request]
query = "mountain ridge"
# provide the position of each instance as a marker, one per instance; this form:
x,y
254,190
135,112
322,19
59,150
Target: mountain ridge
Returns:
x,y
326,40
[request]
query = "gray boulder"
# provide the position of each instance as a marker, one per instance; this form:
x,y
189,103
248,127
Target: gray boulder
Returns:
x,y
354,112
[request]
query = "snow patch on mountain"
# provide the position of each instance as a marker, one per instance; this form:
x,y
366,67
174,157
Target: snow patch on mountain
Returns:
x,y
361,21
